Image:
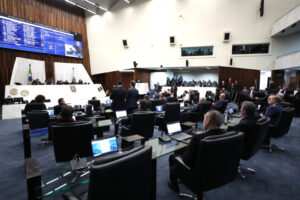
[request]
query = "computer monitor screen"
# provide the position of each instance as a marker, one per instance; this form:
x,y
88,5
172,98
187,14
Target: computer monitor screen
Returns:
x,y
159,108
51,112
181,105
173,128
258,106
95,103
104,146
108,102
230,110
121,114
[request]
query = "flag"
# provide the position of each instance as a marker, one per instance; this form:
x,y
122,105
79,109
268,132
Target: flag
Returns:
x,y
29,81
73,78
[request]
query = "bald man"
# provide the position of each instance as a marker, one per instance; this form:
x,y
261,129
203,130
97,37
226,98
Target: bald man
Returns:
x,y
273,110
221,104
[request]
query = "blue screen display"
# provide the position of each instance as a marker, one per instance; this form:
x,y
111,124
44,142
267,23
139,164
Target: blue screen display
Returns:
x,y
16,34
104,146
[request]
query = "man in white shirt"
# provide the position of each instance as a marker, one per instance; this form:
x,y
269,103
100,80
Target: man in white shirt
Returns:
x,y
186,96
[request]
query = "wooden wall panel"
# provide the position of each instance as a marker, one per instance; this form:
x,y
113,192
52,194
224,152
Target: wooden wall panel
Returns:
x,y
278,78
245,77
55,13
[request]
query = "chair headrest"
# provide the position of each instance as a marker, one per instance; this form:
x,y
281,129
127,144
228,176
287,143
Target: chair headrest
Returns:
x,y
227,135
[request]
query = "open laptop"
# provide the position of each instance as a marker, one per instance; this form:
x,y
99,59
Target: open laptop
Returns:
x,y
182,106
230,110
104,146
121,114
159,108
174,130
51,112
108,102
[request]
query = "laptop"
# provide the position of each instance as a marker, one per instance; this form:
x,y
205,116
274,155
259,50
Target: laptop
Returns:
x,y
230,111
174,130
104,146
182,106
159,108
108,102
121,114
51,112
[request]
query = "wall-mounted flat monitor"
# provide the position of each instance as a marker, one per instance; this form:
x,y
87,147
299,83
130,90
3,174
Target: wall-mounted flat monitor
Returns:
x,y
20,34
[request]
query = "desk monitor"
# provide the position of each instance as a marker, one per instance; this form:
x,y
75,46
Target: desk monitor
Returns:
x,y
95,103
104,146
108,102
181,105
51,112
121,114
159,108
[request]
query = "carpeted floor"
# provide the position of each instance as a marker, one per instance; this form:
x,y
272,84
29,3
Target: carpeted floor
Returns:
x,y
277,174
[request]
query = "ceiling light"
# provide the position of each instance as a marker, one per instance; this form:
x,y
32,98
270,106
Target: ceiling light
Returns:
x,y
91,11
102,8
70,2
81,6
90,2
127,1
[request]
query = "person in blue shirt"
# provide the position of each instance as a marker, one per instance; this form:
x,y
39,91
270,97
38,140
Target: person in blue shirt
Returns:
x,y
273,110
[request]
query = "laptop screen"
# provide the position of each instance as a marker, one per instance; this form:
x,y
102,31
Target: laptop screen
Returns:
x,y
159,108
230,110
173,128
181,105
51,112
104,146
121,114
108,102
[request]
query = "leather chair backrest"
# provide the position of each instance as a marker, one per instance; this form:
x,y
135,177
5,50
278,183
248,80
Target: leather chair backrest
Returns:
x,y
217,161
70,139
155,102
142,123
128,177
89,110
257,138
35,106
38,119
284,123
171,99
222,110
172,113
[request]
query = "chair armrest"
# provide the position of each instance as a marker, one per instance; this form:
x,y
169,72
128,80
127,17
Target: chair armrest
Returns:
x,y
179,161
70,196
126,128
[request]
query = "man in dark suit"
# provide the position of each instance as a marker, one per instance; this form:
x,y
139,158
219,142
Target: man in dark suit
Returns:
x,y
174,89
118,97
157,87
248,122
221,104
223,85
255,84
201,108
37,104
132,98
57,108
273,110
212,122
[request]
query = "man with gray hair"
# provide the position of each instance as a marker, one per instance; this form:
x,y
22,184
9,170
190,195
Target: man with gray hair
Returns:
x,y
247,123
212,122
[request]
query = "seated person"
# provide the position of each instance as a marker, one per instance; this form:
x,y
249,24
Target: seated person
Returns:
x,y
65,116
248,122
221,103
273,110
57,108
186,96
66,82
200,108
39,99
156,95
212,122
163,98
245,91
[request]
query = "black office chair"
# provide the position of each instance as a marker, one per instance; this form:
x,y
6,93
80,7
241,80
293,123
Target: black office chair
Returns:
x,y
128,177
281,128
199,116
172,112
216,165
254,144
34,106
72,139
141,123
38,119
171,99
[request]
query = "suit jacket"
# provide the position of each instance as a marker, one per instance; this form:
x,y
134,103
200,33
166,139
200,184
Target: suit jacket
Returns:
x,y
274,113
118,95
202,108
174,90
190,154
157,87
132,98
247,126
220,105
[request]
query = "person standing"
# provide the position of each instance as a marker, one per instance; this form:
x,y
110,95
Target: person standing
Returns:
x,y
118,97
132,98
174,89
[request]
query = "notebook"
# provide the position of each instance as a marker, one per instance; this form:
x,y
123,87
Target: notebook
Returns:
x,y
104,146
174,130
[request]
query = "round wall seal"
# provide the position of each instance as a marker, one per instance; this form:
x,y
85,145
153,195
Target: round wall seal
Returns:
x,y
73,88
24,93
13,91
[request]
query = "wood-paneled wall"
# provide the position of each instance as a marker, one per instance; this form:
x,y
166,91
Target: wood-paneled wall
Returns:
x,y
111,78
245,77
278,78
55,13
